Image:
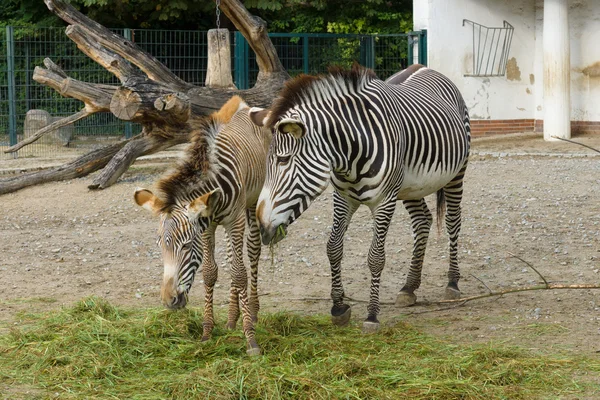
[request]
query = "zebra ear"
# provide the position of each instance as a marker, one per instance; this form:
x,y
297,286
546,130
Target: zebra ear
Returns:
x,y
259,116
204,205
294,127
147,199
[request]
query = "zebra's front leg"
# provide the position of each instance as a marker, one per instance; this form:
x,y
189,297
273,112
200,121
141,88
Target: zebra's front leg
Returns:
x,y
382,216
233,313
453,194
343,210
421,219
239,282
253,249
209,274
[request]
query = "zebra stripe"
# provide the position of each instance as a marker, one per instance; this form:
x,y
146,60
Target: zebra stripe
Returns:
x,y
376,142
217,183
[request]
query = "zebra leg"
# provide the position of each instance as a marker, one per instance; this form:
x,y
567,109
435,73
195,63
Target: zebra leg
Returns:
x,y
209,274
342,214
421,219
233,313
382,216
453,194
239,281
253,249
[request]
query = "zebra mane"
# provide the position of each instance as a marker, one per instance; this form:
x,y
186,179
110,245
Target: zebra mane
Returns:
x,y
199,162
297,90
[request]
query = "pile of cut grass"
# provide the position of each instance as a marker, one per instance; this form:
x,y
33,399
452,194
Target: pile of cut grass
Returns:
x,y
95,350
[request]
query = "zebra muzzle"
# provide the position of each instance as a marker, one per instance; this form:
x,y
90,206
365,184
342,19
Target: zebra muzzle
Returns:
x,y
273,234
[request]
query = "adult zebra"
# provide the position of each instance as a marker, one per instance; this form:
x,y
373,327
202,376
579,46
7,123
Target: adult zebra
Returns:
x,y
376,142
217,183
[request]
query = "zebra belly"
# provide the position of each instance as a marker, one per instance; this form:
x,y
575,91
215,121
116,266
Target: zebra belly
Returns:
x,y
418,184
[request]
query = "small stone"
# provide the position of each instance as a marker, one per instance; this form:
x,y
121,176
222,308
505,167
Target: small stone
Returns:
x,y
138,295
55,250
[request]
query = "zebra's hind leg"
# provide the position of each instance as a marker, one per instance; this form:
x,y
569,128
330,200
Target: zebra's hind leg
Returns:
x,y
209,274
421,219
382,216
253,248
453,195
342,214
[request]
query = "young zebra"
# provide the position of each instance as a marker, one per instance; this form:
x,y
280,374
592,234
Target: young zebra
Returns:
x,y
217,183
376,142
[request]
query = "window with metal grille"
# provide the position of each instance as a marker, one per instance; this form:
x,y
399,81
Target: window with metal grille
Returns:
x,y
490,48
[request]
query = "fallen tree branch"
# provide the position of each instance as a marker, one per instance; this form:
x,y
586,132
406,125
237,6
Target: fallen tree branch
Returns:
x,y
483,283
530,266
49,128
153,68
572,141
550,286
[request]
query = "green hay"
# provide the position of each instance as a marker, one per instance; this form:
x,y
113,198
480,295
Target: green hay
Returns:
x,y
96,350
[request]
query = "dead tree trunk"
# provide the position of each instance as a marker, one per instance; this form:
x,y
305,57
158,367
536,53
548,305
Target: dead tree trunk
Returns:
x,y
167,107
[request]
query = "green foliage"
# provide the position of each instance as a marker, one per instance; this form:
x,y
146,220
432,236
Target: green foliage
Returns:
x,y
335,16
315,16
25,12
96,350
154,14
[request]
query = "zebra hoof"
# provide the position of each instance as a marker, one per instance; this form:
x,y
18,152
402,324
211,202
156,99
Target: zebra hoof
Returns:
x,y
230,326
205,338
343,315
405,299
370,327
253,351
451,293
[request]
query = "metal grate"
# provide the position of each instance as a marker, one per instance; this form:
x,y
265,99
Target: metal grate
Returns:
x,y
184,52
490,48
313,53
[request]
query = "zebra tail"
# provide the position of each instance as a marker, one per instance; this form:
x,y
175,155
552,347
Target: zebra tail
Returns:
x,y
440,209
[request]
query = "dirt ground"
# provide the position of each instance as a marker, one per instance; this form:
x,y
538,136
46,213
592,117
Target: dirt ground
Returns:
x,y
540,201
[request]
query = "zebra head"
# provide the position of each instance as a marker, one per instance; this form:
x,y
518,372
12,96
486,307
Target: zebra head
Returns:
x,y
297,172
180,242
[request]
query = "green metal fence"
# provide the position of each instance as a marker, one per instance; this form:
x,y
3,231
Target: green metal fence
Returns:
x,y
184,52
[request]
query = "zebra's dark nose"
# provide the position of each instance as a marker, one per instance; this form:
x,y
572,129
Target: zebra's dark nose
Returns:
x,y
177,302
273,234
267,234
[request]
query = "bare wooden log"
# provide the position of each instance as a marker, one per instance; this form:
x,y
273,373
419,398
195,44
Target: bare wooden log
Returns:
x,y
50,128
254,30
127,156
139,105
88,163
112,62
79,167
218,68
96,97
163,103
118,44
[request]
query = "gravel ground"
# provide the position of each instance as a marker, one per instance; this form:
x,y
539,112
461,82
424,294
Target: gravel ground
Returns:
x,y
539,201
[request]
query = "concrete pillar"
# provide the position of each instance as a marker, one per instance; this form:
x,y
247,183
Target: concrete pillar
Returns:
x,y
557,70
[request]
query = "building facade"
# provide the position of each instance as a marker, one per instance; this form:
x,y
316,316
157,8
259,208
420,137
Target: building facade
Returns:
x,y
538,71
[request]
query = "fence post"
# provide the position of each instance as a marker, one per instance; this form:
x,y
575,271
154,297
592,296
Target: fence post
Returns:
x,y
128,127
241,63
12,97
367,51
305,65
423,47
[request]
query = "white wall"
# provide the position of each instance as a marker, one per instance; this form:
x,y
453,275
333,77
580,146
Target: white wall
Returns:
x,y
450,51
584,26
519,95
